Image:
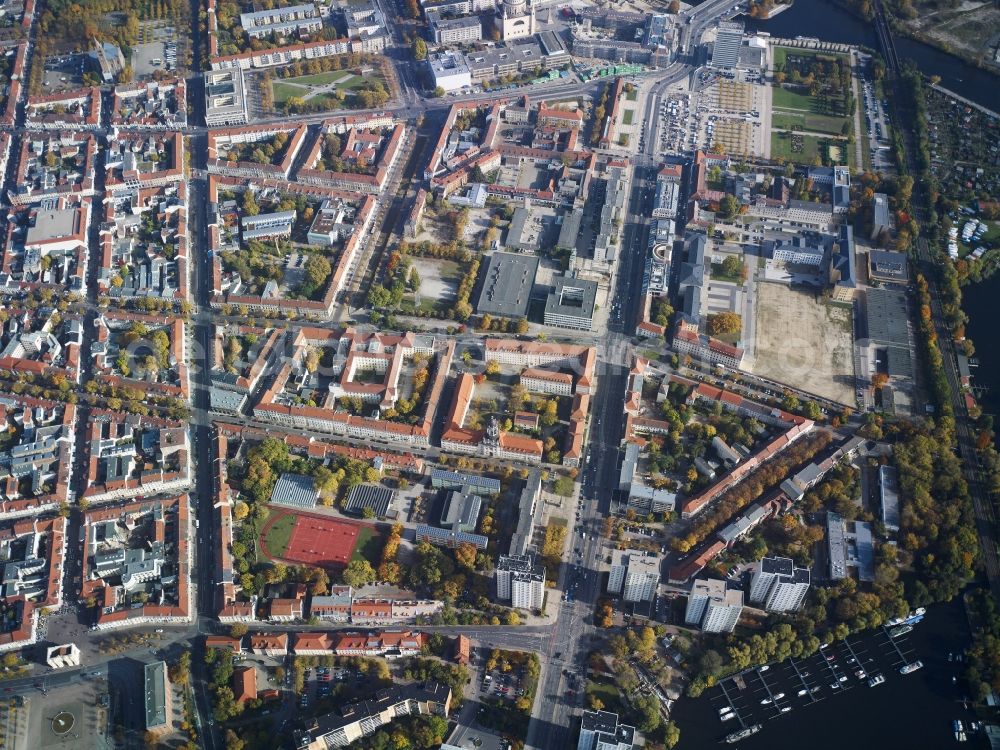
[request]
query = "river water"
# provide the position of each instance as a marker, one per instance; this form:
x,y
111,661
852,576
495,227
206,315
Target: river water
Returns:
x,y
831,23
980,303
913,711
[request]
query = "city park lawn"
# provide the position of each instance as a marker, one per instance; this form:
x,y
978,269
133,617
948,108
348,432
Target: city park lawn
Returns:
x,y
303,86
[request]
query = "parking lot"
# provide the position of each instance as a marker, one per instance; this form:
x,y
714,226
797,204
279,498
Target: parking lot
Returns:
x,y
158,52
877,125
64,73
675,123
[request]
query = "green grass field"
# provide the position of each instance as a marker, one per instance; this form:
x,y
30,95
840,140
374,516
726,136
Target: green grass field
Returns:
x,y
368,546
277,537
782,98
808,122
717,274
282,92
319,79
628,117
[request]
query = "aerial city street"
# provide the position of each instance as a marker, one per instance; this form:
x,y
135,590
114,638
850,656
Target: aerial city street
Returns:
x,y
494,374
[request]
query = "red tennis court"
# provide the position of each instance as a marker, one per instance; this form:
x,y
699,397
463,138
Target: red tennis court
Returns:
x,y
321,541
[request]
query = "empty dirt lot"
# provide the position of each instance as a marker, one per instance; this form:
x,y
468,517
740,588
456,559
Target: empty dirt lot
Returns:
x,y
802,341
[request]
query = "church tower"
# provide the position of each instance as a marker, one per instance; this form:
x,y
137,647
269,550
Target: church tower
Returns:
x,y
516,19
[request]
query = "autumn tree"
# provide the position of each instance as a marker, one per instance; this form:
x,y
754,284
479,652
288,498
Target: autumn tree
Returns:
x,y
724,323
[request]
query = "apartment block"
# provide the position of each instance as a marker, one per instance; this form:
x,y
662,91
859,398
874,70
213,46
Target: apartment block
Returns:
x,y
363,719
779,585
521,581
302,19
634,576
713,606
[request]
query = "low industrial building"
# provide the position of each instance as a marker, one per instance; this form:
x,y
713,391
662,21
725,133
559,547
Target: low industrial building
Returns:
x,y
507,285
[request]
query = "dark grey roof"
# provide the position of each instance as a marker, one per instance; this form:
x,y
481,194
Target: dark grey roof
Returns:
x,y
373,496
461,511
889,495
599,721
570,231
777,565
899,362
844,260
515,231
507,285
888,265
155,681
571,297
885,316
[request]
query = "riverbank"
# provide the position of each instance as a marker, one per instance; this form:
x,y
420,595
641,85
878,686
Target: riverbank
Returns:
x,y
902,28
836,22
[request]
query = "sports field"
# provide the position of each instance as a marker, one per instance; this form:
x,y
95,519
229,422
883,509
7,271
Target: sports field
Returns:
x,y
311,539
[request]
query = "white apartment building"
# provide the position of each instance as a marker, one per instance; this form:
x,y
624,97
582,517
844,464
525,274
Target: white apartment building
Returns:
x,y
634,576
303,19
779,585
713,606
520,580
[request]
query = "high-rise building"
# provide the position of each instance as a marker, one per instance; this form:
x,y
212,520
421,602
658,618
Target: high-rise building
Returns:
x,y
713,606
634,576
520,580
600,730
726,52
778,584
